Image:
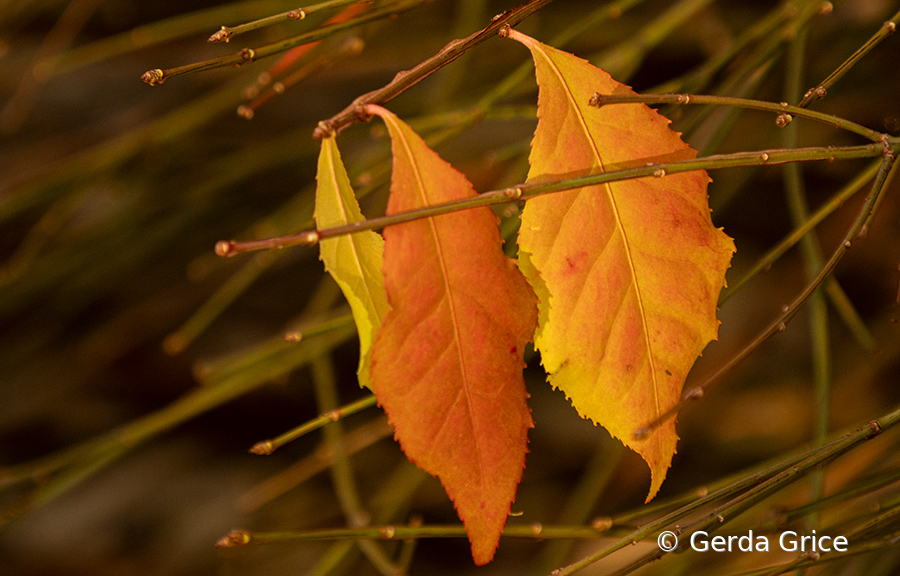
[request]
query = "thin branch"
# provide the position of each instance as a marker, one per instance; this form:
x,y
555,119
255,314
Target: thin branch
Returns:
x,y
319,460
784,111
811,249
534,531
527,191
747,491
408,78
819,91
226,33
247,55
788,311
762,489
825,210
266,447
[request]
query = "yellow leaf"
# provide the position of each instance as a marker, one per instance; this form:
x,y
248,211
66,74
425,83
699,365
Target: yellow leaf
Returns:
x,y
354,260
628,273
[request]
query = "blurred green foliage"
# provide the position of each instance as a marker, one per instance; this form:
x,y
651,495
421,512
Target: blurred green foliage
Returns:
x,y
137,367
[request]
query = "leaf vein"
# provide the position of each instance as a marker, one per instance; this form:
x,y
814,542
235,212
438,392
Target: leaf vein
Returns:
x,y
619,224
420,186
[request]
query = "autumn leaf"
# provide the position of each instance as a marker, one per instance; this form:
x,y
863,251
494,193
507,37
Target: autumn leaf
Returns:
x,y
354,261
628,273
447,361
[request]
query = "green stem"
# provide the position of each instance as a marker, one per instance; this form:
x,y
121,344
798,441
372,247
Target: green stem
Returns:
x,y
154,33
247,55
784,111
818,92
100,452
266,447
226,33
814,261
325,385
788,310
318,461
601,469
800,231
534,531
736,506
527,191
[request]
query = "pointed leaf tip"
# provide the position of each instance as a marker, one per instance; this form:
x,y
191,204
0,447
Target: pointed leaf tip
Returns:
x,y
354,261
447,361
628,273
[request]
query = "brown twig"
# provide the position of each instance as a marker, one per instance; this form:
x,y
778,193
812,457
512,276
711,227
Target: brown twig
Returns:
x,y
408,78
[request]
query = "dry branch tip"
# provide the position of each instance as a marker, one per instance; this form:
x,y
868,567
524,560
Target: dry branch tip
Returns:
x,y
154,77
234,539
262,448
222,35
225,248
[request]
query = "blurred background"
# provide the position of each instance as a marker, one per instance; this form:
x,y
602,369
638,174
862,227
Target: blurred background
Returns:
x,y
137,368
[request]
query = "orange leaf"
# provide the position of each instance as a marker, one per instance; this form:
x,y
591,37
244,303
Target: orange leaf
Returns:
x,y
447,360
628,273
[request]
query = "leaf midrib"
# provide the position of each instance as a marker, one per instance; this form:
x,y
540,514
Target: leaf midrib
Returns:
x,y
420,186
538,49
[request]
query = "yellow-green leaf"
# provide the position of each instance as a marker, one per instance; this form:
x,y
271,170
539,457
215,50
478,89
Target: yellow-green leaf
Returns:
x,y
354,260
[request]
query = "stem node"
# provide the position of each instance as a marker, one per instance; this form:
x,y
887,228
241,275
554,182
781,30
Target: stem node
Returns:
x,y
222,35
783,120
154,77
234,538
225,248
248,54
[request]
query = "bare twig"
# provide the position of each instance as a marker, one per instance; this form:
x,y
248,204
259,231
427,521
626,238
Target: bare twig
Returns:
x,y
247,55
820,90
408,78
526,191
788,311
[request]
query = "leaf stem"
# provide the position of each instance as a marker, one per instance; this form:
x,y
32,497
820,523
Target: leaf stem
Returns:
x,y
527,191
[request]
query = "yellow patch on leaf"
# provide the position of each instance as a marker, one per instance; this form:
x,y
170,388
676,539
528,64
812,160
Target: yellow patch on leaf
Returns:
x,y
354,261
628,273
